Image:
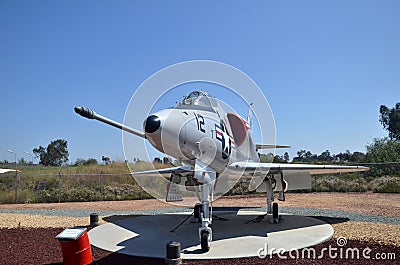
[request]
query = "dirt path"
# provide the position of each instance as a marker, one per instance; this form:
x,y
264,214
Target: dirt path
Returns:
x,y
366,203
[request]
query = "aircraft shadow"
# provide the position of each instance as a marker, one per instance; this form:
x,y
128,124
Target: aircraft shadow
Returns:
x,y
148,235
331,220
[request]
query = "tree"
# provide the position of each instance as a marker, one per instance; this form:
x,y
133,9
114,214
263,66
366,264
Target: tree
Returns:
x,y
266,158
41,153
88,162
340,158
55,154
301,154
106,160
384,151
286,157
79,162
325,156
22,161
390,120
308,155
91,161
343,157
357,157
305,156
278,159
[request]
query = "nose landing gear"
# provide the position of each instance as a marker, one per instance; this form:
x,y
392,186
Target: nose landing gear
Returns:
x,y
206,177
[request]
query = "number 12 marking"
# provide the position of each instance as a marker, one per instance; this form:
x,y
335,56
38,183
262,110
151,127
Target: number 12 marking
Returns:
x,y
200,122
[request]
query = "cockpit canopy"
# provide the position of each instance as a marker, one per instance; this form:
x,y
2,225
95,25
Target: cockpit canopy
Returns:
x,y
199,100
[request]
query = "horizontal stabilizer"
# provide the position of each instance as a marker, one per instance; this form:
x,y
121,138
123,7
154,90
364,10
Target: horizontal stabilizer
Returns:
x,y
271,146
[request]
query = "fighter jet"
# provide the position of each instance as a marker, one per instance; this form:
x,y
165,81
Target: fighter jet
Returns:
x,y
212,142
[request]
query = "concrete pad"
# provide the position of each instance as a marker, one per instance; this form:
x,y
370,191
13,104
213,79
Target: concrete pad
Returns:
x,y
234,235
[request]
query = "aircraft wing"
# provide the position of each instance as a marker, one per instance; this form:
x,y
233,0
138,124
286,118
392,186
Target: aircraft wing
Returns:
x,y
180,169
5,170
278,167
265,167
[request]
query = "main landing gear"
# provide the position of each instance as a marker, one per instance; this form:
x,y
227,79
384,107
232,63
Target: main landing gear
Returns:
x,y
272,208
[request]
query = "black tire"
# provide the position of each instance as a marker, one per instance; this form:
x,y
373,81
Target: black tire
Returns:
x,y
275,210
197,211
205,242
175,179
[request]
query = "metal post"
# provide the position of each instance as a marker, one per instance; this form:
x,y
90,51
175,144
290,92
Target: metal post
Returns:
x,y
94,220
16,186
59,186
101,185
315,183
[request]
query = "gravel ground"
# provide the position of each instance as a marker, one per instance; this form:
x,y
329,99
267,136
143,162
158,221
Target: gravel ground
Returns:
x,y
38,246
27,231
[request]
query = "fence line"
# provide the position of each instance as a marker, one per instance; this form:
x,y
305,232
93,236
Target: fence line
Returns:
x,y
30,188
63,187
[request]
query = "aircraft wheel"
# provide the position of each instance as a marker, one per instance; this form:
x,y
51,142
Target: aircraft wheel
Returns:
x,y
205,241
197,211
175,178
275,212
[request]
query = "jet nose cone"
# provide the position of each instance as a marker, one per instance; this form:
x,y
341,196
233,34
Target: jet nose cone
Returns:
x,y
152,124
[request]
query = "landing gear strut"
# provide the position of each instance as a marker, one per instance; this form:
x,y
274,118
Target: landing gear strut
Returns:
x,y
272,208
205,231
206,177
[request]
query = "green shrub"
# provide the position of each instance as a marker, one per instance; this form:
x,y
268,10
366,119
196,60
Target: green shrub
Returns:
x,y
386,184
79,195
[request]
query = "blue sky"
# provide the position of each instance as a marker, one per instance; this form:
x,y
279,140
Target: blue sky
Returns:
x,y
324,66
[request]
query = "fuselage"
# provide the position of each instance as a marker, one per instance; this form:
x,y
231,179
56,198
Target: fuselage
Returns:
x,y
198,128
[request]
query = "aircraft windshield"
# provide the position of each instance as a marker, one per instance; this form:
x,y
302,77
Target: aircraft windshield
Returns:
x,y
197,98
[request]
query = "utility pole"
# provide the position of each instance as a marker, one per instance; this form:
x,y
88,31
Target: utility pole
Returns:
x,y
16,175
